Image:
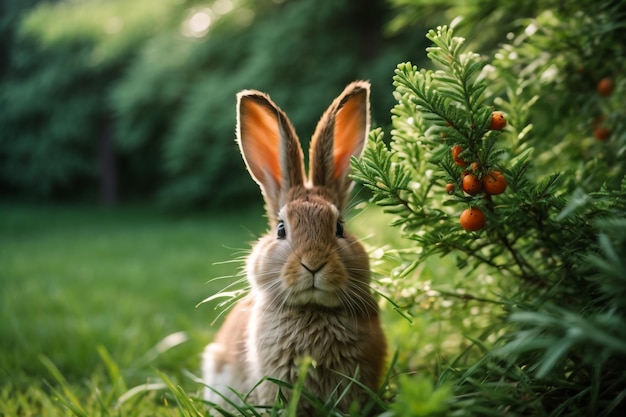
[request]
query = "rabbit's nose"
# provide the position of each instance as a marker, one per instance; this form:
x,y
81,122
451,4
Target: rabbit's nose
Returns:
x,y
313,269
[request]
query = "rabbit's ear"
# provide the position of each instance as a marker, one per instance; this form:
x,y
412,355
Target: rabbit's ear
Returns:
x,y
269,147
340,134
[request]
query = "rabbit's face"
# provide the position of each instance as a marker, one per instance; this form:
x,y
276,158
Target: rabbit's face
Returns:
x,y
309,258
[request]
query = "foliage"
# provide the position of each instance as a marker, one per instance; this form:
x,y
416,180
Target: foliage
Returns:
x,y
162,78
58,113
554,345
114,27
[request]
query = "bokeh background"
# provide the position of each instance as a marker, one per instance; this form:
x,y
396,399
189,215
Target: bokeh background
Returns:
x,y
126,101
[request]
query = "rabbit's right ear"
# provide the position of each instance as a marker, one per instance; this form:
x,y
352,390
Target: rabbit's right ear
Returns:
x,y
270,148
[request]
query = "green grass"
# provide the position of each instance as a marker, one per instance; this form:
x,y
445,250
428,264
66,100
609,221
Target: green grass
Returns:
x,y
98,308
80,284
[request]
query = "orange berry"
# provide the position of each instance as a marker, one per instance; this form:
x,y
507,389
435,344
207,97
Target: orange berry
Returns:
x,y
456,150
494,183
471,185
602,133
472,219
497,121
605,86
450,188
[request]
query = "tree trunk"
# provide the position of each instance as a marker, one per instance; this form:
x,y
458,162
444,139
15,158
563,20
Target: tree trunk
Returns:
x,y
107,165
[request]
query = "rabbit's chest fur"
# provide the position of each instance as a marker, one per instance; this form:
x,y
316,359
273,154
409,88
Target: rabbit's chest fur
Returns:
x,y
330,338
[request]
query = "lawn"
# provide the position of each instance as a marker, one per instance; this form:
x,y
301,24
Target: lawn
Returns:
x,y
99,306
79,285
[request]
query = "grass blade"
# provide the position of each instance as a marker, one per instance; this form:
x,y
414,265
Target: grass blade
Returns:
x,y
119,385
66,397
184,401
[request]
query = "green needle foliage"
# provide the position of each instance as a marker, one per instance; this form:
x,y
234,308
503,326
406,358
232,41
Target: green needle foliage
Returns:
x,y
555,342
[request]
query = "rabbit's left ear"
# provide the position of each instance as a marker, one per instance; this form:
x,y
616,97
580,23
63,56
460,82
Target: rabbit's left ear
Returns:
x,y
340,134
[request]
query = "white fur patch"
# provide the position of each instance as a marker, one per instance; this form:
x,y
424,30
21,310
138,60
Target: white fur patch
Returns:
x,y
217,374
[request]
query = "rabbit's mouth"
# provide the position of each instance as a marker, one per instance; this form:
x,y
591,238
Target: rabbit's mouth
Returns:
x,y
314,280
315,296
313,288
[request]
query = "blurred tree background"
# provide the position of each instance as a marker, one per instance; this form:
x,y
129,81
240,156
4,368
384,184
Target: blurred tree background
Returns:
x,y
113,100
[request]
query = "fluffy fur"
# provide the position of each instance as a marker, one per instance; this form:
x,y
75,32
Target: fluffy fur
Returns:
x,y
309,277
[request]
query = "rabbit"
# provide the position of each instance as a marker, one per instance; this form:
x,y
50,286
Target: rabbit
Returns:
x,y
309,277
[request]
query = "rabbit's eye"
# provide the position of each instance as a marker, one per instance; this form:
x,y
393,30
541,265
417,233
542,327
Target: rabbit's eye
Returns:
x,y
339,232
282,233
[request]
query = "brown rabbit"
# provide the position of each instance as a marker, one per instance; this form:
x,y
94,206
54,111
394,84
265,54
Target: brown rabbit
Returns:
x,y
309,278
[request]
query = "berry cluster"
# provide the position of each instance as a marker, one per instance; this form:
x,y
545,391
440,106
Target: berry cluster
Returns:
x,y
477,179
600,131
